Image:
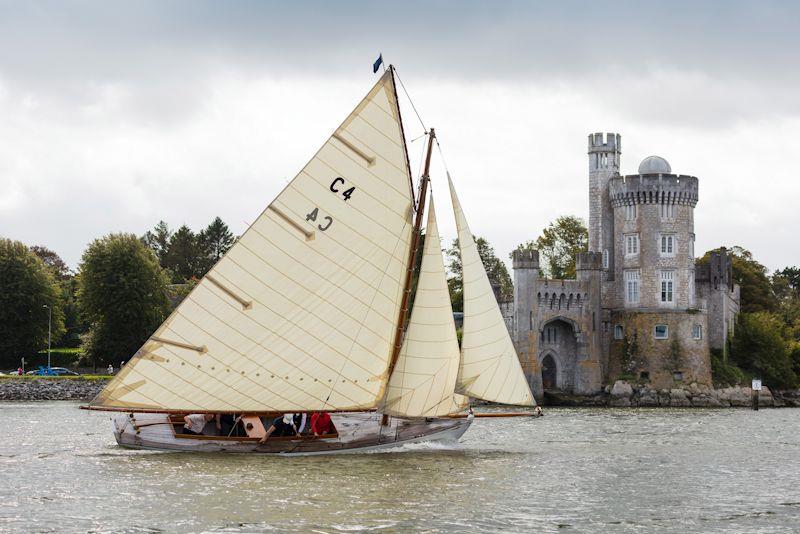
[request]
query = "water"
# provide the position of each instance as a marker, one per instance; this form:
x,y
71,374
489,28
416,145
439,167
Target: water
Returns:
x,y
575,470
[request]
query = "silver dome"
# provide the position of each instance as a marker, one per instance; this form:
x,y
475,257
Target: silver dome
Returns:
x,y
654,165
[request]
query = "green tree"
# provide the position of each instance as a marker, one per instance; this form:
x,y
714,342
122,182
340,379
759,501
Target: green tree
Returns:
x,y
184,257
760,347
495,269
27,285
756,290
122,294
53,261
558,246
214,242
73,325
157,240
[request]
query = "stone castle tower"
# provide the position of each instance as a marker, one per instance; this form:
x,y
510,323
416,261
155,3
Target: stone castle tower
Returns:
x,y
638,307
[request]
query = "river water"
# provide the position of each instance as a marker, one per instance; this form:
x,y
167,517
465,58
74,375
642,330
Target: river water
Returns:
x,y
574,470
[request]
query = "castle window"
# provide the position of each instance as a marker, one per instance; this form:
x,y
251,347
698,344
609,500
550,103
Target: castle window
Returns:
x,y
697,331
606,326
632,287
631,244
677,375
630,212
619,332
667,244
605,259
668,287
661,331
644,375
691,287
667,211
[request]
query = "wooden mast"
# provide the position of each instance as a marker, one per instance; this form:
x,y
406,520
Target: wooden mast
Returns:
x,y
412,258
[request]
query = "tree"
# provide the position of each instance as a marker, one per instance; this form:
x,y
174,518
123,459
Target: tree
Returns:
x,y
157,240
184,256
214,242
558,246
26,286
759,347
53,261
756,290
495,269
122,294
73,326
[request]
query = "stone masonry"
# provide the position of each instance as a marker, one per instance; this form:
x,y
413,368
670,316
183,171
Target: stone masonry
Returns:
x,y
638,308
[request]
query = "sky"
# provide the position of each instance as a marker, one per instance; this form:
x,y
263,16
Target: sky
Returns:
x,y
114,115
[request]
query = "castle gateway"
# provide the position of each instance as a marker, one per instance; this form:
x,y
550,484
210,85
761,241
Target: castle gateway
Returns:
x,y
639,307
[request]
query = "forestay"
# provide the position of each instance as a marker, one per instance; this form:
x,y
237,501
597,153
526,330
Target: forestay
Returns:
x,y
490,368
301,313
424,378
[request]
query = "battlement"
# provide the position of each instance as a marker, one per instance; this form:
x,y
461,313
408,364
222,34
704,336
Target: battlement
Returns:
x,y
718,271
589,261
525,259
609,142
653,189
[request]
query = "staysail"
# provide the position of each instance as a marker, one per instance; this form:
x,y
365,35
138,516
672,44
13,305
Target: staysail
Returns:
x,y
301,313
424,378
490,368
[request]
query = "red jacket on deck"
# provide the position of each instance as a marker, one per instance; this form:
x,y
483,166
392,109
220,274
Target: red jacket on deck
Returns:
x,y
321,423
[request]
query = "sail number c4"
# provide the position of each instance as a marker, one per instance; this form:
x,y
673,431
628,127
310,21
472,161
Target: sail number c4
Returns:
x,y
339,181
326,219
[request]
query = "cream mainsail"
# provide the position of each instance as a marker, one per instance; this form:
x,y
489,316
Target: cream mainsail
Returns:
x,y
424,378
490,368
301,313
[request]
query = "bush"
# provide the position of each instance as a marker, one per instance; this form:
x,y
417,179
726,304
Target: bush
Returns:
x,y
760,347
723,373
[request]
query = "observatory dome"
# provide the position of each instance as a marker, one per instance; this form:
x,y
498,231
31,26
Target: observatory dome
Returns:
x,y
654,165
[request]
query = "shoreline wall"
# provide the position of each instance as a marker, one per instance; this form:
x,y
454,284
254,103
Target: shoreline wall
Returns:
x,y
28,389
621,395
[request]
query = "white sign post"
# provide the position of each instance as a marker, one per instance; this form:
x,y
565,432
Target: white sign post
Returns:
x,y
756,389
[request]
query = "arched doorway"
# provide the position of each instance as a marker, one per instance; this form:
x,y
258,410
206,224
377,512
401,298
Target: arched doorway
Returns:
x,y
549,372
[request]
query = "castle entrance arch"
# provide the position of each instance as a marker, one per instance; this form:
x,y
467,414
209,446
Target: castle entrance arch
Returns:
x,y
558,353
549,372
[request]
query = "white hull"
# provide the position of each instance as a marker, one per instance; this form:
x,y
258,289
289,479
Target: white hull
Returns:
x,y
357,432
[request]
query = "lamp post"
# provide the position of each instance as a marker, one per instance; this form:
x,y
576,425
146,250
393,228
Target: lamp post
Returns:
x,y
49,323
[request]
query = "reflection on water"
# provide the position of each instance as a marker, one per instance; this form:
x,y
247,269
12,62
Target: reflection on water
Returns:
x,y
583,470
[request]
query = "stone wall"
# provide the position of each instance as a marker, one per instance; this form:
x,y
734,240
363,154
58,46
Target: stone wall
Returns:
x,y
25,389
640,352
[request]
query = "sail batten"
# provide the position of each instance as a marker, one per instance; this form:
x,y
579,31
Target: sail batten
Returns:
x,y
423,380
299,315
489,368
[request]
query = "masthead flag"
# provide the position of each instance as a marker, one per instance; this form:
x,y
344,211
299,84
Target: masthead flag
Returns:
x,y
378,63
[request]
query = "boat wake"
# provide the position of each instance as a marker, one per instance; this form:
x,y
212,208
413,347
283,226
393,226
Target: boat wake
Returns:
x,y
421,446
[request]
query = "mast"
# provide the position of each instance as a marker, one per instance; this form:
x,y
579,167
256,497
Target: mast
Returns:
x,y
412,259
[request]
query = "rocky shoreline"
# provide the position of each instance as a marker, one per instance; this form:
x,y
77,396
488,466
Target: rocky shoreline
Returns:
x,y
624,394
27,389
621,395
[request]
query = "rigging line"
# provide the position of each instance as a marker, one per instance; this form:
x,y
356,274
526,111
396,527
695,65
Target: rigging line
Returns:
x,y
409,99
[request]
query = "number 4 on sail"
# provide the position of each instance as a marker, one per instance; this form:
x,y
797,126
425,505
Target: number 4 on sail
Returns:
x,y
298,340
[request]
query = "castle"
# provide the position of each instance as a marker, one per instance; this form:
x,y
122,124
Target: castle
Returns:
x,y
639,307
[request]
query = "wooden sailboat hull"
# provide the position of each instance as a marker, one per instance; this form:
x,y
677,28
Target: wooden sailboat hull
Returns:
x,y
357,432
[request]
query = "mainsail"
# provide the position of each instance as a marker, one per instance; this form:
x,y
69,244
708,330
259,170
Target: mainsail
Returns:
x,y
424,378
490,368
301,313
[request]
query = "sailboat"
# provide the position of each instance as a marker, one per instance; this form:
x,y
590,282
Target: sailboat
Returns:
x,y
308,312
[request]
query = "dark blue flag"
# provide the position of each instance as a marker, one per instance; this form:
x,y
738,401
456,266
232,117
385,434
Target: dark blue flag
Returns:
x,y
378,63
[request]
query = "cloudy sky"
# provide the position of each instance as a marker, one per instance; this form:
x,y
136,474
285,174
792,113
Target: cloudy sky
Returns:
x,y
114,116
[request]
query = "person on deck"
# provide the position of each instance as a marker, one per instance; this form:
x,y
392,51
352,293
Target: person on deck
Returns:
x,y
321,424
300,420
196,422
281,426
